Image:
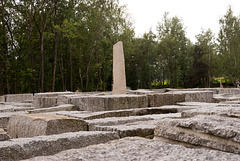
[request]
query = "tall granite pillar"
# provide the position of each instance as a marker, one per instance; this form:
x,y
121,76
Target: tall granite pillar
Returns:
x,y
119,78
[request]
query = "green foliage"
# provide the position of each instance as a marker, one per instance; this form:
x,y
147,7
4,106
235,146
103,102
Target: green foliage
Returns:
x,y
74,41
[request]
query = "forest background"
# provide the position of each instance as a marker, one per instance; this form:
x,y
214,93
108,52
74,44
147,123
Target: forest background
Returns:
x,y
59,45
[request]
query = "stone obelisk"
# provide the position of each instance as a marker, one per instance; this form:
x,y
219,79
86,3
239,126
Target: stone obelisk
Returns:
x,y
119,77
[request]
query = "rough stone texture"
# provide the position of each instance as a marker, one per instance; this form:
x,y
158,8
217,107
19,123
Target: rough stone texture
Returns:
x,y
137,126
160,99
217,110
220,133
50,99
87,115
226,97
3,135
4,118
64,107
119,77
12,107
29,125
18,97
2,98
196,96
44,102
23,148
109,102
136,148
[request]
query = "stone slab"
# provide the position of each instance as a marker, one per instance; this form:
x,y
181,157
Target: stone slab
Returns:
x,y
18,97
109,102
226,97
160,99
217,110
29,125
4,118
196,96
64,107
136,148
48,99
23,148
134,127
215,132
13,108
87,115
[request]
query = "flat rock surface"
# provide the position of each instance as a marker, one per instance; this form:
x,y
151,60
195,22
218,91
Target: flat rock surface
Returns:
x,y
136,148
140,126
222,133
29,125
24,148
223,110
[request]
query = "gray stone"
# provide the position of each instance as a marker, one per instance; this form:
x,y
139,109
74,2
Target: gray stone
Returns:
x,y
136,148
212,110
23,148
4,118
3,135
109,102
49,99
29,125
143,126
119,77
215,132
18,97
64,107
160,99
196,96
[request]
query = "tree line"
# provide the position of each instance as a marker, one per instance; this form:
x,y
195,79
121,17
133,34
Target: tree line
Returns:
x,y
58,45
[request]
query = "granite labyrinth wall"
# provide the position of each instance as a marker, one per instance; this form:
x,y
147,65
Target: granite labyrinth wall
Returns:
x,y
172,125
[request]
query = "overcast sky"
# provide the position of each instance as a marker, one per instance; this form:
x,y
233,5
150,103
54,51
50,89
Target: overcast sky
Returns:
x,y
195,14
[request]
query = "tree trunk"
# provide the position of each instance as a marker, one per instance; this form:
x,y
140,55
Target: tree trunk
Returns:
x,y
70,61
55,48
89,63
31,49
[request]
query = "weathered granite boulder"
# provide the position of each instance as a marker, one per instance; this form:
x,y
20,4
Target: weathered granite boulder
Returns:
x,y
109,102
23,148
64,107
136,148
160,99
196,96
29,125
215,132
18,97
217,110
50,99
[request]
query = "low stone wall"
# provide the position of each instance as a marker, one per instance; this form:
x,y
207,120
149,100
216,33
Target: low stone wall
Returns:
x,y
160,99
109,102
18,97
43,100
24,148
196,96
29,125
209,131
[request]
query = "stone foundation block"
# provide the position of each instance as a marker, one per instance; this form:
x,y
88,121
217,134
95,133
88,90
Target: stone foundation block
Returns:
x,y
30,125
215,132
109,102
24,148
18,97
